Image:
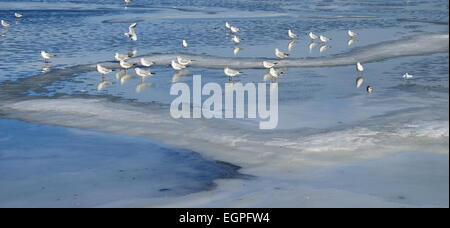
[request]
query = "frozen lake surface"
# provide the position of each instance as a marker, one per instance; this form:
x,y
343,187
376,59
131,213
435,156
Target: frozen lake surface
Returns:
x,y
335,145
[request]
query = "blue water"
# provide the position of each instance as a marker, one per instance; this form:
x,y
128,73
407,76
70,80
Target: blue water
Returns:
x,y
311,99
46,166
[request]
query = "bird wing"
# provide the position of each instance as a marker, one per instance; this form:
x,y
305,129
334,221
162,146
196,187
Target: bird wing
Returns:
x,y
132,27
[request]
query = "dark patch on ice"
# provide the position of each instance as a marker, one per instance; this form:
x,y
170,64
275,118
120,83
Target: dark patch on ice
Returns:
x,y
231,171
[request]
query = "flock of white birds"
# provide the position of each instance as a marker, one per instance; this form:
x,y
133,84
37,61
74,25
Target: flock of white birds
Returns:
x,y
180,64
6,24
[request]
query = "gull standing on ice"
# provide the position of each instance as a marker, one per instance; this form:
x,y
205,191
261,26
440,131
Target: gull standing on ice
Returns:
x,y
146,63
280,54
292,35
408,76
312,36
184,61
324,38
351,33
103,70
177,66
132,32
184,44
143,73
4,23
46,56
18,15
125,65
231,73
268,64
359,67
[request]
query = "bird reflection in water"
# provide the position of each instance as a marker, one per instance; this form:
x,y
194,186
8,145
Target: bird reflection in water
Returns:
x,y
179,74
